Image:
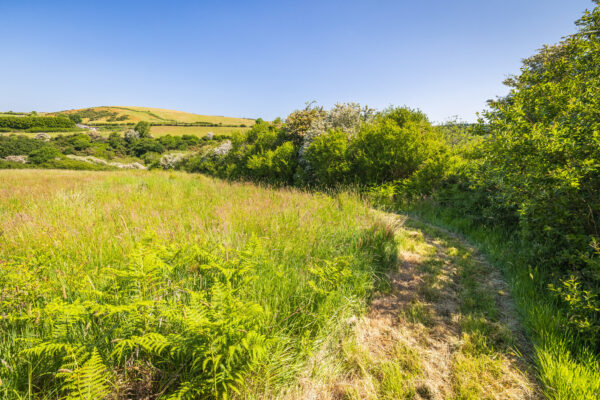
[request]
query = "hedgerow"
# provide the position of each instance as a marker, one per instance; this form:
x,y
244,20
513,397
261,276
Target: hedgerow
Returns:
x,y
29,122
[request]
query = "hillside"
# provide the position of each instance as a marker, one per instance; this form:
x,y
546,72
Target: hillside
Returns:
x,y
127,115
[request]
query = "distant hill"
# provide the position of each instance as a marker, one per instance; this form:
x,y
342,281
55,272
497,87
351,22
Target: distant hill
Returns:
x,y
125,115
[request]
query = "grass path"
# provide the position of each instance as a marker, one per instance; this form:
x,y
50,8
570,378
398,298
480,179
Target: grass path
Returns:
x,y
445,328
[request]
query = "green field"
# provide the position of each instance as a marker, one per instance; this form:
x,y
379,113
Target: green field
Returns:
x,y
158,131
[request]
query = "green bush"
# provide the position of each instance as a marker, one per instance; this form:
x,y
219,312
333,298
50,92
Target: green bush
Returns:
x,y
76,142
117,142
393,147
75,118
28,122
328,159
13,165
274,166
44,154
151,158
146,145
46,129
543,153
20,145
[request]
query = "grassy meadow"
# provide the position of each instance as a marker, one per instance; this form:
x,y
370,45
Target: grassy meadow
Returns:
x,y
127,284
199,131
120,285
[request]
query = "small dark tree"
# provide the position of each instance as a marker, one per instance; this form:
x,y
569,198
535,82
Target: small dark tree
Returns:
x,y
75,118
143,129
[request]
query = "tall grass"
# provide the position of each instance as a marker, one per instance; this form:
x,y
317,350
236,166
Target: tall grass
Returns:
x,y
138,283
565,373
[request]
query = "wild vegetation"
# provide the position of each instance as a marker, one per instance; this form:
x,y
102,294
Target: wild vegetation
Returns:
x,y
178,285
528,170
79,150
146,284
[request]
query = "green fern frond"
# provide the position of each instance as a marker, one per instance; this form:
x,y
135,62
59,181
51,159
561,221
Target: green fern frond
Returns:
x,y
89,382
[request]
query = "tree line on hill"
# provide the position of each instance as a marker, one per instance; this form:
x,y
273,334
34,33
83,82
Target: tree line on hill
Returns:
x,y
43,151
37,123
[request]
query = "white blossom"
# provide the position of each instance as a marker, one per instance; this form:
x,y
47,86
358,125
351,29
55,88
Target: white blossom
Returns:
x,y
131,134
345,117
223,148
170,161
17,159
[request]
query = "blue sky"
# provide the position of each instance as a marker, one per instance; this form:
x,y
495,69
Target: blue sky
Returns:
x,y
267,58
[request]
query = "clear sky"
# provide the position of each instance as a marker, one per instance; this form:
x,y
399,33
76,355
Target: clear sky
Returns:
x,y
267,58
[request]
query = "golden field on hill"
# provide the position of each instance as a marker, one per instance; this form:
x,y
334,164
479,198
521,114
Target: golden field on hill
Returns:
x,y
156,115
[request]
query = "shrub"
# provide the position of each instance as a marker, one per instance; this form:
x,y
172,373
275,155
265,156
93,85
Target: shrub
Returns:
x,y
151,158
14,145
116,142
328,159
77,142
393,147
36,122
75,118
65,163
44,154
275,166
145,145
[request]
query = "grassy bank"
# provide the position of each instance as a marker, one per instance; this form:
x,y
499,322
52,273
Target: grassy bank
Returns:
x,y
567,368
140,284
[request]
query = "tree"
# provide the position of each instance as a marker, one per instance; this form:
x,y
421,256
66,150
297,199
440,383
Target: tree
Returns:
x,y
75,118
542,161
146,145
143,129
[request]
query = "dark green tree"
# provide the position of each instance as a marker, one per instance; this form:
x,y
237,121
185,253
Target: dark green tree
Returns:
x,y
541,159
143,129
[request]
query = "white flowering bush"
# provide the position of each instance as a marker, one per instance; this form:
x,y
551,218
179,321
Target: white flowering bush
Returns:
x,y
223,148
131,134
17,159
170,161
343,117
96,160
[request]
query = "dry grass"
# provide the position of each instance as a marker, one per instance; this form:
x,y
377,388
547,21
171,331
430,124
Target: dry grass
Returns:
x,y
159,115
181,116
445,330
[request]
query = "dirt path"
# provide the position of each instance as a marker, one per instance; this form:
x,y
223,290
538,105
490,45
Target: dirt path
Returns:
x,y
446,329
